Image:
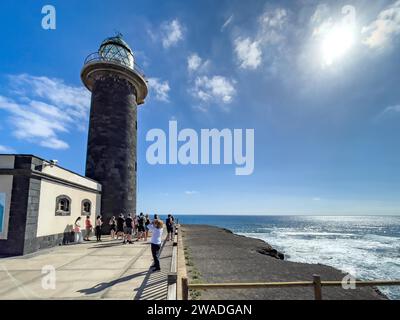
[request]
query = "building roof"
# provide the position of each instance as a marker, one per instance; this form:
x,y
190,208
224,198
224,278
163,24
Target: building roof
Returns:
x,y
47,161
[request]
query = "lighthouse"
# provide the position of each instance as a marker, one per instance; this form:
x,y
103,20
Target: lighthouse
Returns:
x,y
118,87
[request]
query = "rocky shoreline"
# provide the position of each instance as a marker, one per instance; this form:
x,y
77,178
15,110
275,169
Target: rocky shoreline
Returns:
x,y
217,255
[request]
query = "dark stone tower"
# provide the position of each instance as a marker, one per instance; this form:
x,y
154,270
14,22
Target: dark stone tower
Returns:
x,y
117,87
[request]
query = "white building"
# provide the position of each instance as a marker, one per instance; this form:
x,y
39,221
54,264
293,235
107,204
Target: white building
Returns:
x,y
39,203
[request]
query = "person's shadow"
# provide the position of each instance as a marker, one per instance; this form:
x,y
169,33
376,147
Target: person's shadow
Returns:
x,y
105,285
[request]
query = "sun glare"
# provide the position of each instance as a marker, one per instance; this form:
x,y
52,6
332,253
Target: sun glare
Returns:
x,y
336,43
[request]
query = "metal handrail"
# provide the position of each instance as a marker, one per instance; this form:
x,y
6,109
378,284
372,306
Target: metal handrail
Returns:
x,y
316,283
96,57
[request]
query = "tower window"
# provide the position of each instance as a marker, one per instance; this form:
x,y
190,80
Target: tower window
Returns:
x,y
86,207
63,206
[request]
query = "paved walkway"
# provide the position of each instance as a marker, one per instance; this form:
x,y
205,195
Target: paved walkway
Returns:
x,y
92,270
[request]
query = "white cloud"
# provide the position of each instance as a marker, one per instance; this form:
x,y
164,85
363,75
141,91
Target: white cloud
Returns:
x,y
274,19
31,125
322,12
160,88
272,24
388,112
208,89
392,109
248,53
227,23
217,89
70,99
5,149
379,33
191,192
54,143
321,21
266,44
172,33
195,63
41,108
200,107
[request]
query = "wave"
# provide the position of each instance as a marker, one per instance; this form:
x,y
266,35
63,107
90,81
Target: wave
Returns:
x,y
365,256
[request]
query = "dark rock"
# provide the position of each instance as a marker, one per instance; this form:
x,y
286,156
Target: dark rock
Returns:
x,y
227,230
269,251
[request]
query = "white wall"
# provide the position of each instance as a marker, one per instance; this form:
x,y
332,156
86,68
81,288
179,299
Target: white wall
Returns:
x,y
6,182
48,222
61,173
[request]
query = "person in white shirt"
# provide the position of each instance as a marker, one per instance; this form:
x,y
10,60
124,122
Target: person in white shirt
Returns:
x,y
78,232
156,229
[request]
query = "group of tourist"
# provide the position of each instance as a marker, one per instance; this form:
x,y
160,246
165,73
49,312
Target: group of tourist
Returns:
x,y
126,229
130,227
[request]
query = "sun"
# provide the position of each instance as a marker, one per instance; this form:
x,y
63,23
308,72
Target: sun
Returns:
x,y
336,43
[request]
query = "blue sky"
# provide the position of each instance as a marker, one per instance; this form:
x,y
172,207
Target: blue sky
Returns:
x,y
319,89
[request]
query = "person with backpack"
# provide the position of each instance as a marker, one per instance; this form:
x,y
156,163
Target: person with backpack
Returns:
x,y
120,226
146,225
170,227
128,229
141,226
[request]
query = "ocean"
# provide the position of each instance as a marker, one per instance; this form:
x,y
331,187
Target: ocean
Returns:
x,y
368,247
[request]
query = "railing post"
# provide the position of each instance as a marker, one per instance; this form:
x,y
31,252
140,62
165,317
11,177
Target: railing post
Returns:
x,y
185,289
317,287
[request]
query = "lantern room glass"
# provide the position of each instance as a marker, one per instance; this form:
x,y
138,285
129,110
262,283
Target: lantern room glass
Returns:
x,y
116,50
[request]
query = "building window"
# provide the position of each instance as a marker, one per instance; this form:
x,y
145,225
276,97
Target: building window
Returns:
x,y
86,207
63,206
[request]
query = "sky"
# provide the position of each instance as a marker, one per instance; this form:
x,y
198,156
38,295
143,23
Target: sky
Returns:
x,y
317,81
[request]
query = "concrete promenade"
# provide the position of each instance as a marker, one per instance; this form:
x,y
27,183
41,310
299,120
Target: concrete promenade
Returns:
x,y
91,270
